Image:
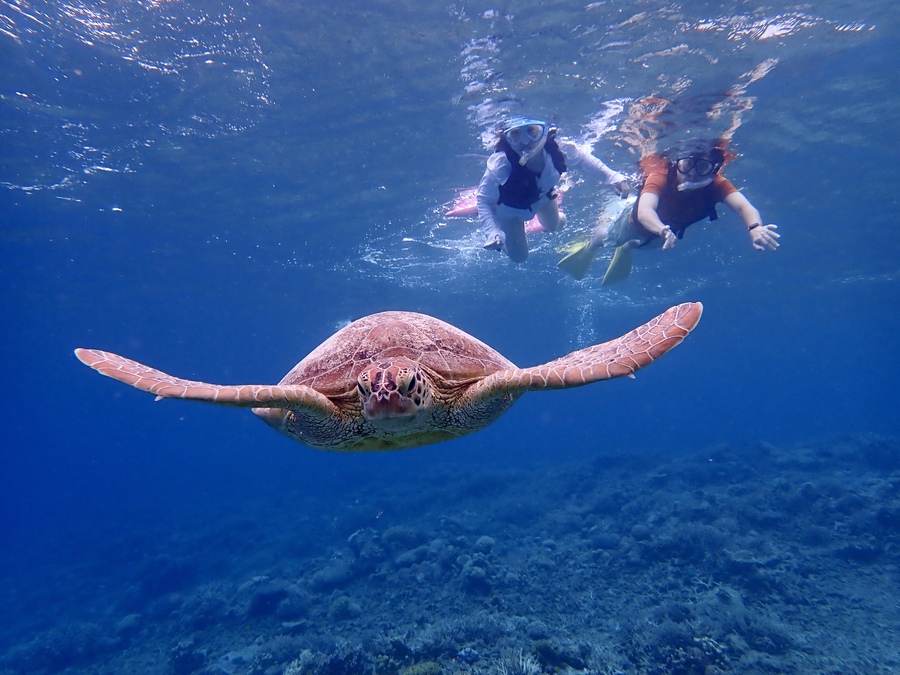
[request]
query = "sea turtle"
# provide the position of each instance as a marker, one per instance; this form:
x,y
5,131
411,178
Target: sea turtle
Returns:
x,y
398,380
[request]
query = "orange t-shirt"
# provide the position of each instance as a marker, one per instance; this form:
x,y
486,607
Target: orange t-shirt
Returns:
x,y
680,209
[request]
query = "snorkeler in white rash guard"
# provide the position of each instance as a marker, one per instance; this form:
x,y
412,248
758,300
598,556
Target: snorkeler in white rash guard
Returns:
x,y
521,181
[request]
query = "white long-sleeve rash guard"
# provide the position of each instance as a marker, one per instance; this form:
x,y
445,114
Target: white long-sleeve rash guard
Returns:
x,y
498,172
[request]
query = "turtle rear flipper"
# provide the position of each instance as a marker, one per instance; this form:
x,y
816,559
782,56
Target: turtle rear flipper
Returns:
x,y
164,385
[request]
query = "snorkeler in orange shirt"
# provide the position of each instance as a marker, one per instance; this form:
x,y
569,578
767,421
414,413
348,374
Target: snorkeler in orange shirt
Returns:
x,y
680,187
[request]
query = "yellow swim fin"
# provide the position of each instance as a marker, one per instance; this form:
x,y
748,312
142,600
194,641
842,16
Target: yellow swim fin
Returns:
x,y
619,267
578,261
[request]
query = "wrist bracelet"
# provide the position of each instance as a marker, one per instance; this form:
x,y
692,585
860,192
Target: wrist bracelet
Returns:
x,y
749,229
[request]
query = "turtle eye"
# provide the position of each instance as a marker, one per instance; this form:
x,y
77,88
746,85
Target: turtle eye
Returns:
x,y
363,384
411,385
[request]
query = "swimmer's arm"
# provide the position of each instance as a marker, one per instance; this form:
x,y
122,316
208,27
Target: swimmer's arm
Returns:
x,y
577,157
488,195
762,236
647,216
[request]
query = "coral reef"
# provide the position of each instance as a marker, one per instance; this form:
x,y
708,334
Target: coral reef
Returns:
x,y
733,560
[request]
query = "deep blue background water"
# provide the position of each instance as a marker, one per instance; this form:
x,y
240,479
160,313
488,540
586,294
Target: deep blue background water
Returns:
x,y
218,220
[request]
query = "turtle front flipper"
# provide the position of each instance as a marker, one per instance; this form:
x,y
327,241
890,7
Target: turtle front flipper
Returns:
x,y
163,385
622,356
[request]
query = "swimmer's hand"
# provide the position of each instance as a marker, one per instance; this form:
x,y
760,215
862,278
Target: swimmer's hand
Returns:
x,y
494,244
622,188
668,238
764,237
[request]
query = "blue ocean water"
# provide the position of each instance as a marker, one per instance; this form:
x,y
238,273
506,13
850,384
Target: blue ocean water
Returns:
x,y
213,188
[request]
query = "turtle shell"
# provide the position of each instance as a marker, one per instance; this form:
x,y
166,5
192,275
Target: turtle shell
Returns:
x,y
449,353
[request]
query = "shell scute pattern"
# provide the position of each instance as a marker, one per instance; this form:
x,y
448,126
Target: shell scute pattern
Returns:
x,y
333,367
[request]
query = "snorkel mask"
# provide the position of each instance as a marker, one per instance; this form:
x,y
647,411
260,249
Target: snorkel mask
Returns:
x,y
526,137
697,169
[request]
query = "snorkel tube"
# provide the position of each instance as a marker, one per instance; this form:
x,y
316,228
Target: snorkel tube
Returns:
x,y
686,184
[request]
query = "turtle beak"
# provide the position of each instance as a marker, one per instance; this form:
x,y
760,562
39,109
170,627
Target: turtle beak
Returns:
x,y
392,391
388,405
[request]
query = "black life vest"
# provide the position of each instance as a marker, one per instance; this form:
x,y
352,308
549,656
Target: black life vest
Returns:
x,y
520,190
704,195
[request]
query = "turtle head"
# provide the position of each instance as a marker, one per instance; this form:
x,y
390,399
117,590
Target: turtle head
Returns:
x,y
393,390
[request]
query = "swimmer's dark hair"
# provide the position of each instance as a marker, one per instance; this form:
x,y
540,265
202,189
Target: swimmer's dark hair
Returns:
x,y
712,150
